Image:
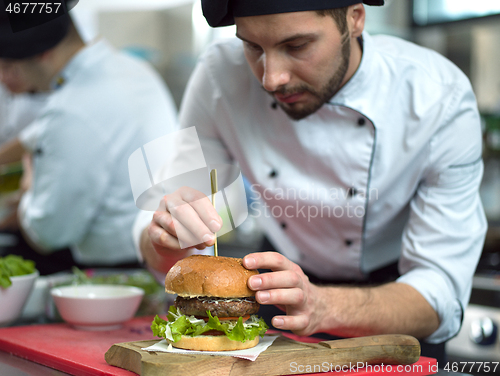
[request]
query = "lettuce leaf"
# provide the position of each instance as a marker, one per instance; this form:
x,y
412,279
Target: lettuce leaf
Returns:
x,y
158,326
13,265
179,325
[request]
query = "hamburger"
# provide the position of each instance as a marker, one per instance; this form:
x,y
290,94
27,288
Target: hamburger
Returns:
x,y
214,309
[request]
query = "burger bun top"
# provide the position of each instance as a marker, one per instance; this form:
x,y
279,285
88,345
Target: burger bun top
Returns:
x,y
211,276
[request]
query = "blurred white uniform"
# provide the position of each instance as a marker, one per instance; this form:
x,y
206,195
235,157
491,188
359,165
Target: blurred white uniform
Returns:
x,y
108,105
17,111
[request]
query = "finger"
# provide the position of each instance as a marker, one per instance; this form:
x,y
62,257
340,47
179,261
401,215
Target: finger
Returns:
x,y
189,227
188,239
274,280
162,239
164,220
287,297
268,260
174,226
203,206
294,323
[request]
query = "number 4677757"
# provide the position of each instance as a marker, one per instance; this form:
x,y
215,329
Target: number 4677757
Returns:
x,y
469,367
33,8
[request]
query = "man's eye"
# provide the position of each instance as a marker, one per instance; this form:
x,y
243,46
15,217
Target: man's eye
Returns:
x,y
296,47
253,47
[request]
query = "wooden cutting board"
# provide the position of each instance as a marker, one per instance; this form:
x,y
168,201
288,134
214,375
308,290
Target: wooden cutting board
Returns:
x,y
284,357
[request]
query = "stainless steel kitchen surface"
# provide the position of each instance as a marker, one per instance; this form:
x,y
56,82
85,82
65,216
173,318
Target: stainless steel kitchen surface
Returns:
x,y
477,339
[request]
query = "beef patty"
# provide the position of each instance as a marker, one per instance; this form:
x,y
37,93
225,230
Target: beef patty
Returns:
x,y
217,306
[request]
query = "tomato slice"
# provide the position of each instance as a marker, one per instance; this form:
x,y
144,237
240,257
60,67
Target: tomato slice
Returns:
x,y
214,333
245,318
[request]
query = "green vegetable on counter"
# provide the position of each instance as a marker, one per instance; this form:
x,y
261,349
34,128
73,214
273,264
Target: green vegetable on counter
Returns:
x,y
141,279
154,300
11,266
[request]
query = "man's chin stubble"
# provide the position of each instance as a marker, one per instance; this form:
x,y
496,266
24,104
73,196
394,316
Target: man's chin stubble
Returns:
x,y
299,114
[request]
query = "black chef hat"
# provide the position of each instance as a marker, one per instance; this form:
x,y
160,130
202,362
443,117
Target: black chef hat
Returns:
x,y
222,12
24,34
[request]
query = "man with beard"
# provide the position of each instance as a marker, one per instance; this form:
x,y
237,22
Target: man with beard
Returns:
x,y
383,136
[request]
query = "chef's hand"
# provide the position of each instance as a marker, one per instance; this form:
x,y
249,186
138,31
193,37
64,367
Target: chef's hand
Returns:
x,y
184,219
288,288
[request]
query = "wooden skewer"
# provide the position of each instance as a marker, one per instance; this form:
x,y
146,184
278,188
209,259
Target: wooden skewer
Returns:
x,y
213,180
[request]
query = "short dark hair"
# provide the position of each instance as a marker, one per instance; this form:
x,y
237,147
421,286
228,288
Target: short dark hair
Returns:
x,y
339,15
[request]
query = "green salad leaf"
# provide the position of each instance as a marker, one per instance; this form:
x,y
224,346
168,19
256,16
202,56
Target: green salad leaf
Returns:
x,y
11,266
142,279
179,325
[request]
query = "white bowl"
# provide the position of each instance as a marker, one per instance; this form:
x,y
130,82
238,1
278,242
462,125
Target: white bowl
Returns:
x,y
39,302
97,307
13,298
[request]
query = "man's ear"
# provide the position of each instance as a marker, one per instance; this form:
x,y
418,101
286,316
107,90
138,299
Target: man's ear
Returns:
x,y
356,19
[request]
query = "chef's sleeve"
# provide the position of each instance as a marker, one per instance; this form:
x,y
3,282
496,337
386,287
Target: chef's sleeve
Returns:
x,y
445,233
69,180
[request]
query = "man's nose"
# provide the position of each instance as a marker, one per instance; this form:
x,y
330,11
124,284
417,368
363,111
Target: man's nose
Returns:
x,y
276,73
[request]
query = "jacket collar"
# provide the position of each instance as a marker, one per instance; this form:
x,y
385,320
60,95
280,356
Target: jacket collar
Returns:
x,y
357,92
87,55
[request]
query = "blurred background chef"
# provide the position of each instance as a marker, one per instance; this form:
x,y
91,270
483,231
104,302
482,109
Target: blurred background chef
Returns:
x,y
17,111
101,106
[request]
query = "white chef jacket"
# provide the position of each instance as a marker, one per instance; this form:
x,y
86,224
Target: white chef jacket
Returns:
x,y
108,105
17,111
393,163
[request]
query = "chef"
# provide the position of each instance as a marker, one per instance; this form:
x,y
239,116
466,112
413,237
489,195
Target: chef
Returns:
x,y
101,106
366,153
